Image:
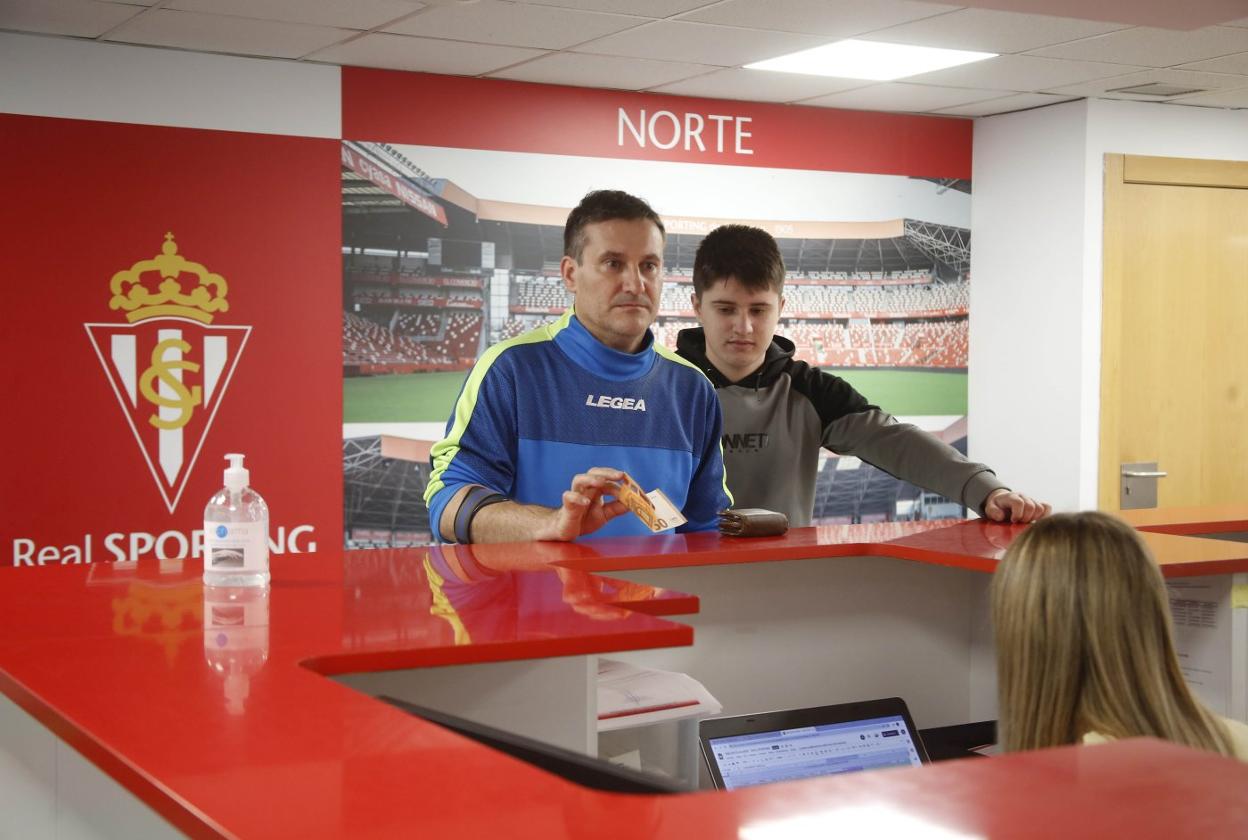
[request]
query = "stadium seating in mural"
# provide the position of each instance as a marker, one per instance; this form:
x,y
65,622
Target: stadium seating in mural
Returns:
x,y
921,326
403,321
840,322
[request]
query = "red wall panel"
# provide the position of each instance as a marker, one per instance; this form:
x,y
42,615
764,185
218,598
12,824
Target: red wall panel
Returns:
x,y
85,200
424,109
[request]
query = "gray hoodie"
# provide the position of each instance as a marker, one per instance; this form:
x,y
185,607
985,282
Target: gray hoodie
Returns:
x,y
777,418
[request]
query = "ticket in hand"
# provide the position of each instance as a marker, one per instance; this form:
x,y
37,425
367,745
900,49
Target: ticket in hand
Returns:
x,y
653,508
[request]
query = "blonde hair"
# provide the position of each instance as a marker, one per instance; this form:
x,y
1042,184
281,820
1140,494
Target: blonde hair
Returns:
x,y
1082,625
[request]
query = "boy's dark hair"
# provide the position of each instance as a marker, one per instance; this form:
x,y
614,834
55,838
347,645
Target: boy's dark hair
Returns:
x,y
603,206
747,253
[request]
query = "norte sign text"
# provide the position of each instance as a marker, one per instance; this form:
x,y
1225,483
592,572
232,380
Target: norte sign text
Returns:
x,y
667,130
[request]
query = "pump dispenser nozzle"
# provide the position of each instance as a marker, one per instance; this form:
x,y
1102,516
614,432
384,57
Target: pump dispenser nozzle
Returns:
x,y
236,532
236,475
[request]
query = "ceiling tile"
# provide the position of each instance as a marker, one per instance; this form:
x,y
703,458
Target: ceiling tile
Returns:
x,y
724,46
1237,63
428,55
831,18
899,96
358,14
494,22
1005,104
1022,73
991,31
759,86
79,18
1149,47
642,8
1167,14
218,33
604,71
1222,99
1101,87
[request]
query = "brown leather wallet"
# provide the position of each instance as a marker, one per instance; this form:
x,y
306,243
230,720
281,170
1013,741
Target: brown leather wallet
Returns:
x,y
752,522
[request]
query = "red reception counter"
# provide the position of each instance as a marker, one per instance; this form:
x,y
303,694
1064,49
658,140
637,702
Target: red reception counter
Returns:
x,y
222,718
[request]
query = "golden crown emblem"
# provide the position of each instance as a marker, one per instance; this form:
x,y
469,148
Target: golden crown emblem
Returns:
x,y
130,293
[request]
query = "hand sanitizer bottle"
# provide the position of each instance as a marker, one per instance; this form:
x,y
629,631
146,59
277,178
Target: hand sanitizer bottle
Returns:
x,y
236,532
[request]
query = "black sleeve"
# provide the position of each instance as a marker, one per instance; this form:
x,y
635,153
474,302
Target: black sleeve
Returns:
x,y
832,397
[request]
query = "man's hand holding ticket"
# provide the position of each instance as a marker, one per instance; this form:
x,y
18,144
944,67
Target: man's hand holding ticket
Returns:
x,y
653,508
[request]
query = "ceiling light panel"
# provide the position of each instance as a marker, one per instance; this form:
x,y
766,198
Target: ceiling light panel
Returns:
x,y
876,60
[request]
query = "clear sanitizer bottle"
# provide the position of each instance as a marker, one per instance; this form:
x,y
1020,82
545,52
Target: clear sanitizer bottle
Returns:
x,y
236,532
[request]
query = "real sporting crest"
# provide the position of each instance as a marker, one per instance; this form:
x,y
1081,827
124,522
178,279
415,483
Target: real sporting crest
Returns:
x,y
168,365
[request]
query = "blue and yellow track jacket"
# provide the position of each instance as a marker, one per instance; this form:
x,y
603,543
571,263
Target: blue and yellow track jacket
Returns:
x,y
540,408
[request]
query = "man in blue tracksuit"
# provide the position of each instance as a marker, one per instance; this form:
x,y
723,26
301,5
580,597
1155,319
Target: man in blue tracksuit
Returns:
x,y
548,421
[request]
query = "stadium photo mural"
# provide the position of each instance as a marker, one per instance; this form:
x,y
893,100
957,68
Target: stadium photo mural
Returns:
x,y
447,251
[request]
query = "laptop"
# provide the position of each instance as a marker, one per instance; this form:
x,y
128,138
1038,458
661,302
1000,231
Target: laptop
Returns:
x,y
800,743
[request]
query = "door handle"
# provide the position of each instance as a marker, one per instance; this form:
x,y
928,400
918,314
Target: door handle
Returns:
x,y
1143,474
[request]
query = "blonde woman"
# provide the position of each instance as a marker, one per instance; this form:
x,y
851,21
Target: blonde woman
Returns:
x,y
1084,648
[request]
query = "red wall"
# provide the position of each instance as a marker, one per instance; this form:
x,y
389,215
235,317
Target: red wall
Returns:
x,y
419,108
84,200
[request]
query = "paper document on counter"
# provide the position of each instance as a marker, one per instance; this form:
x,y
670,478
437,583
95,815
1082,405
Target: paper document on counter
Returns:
x,y
630,696
1200,609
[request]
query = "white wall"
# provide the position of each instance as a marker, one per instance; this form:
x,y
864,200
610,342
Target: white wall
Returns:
x,y
1036,258
61,77
1026,353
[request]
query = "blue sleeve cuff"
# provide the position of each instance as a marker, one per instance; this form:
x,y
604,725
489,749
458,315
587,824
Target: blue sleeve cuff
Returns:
x,y
438,504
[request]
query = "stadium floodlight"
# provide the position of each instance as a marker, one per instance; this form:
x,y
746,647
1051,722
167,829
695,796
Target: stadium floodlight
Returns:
x,y
876,60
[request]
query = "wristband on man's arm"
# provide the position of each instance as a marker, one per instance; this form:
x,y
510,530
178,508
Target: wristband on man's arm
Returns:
x,y
478,497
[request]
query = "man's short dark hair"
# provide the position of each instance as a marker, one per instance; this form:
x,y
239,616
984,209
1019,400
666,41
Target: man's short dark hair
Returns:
x,y
747,253
604,206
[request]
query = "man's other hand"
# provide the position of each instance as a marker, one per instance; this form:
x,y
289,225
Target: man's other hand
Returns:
x,y
584,510
1008,506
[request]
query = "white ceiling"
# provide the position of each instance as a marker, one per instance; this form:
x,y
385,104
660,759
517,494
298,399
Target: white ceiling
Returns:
x,y
698,47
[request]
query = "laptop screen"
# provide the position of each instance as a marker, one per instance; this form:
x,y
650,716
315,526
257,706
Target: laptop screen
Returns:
x,y
761,757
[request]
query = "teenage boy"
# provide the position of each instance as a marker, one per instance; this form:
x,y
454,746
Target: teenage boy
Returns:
x,y
593,388
779,412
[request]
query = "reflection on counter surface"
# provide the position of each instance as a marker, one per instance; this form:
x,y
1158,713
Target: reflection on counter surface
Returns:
x,y
236,638
464,594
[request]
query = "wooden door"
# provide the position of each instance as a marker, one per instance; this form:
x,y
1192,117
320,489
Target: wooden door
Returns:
x,y
1174,367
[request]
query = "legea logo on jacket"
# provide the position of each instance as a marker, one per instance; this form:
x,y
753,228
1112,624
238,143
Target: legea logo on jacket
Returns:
x,y
168,366
623,403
